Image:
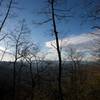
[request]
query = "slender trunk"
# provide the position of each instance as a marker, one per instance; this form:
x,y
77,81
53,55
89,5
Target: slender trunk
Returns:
x,y
14,73
19,75
14,79
33,83
58,51
38,74
75,80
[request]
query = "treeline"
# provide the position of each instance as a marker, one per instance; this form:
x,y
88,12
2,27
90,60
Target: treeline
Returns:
x,y
41,84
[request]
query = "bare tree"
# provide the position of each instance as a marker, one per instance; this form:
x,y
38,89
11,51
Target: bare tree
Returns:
x,y
76,58
96,44
53,16
52,6
18,38
29,53
91,17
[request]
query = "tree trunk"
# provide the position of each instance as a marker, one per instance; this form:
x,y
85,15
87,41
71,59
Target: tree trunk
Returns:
x,y
58,51
14,79
33,82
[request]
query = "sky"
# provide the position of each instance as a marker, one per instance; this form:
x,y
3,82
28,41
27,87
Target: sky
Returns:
x,y
75,27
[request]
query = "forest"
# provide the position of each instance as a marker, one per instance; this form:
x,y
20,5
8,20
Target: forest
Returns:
x,y
49,50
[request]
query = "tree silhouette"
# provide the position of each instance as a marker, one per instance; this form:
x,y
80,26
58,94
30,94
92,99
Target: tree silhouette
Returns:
x,y
18,38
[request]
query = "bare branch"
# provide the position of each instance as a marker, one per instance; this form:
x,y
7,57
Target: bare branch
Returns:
x,y
53,46
7,13
3,37
43,22
1,2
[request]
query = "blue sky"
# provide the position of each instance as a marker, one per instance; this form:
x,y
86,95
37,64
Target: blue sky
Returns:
x,y
31,7
71,27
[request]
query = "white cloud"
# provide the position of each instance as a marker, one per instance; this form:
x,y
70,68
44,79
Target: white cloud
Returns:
x,y
82,43
73,40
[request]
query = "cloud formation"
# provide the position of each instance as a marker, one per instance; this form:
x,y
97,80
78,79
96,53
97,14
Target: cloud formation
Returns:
x,y
82,43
